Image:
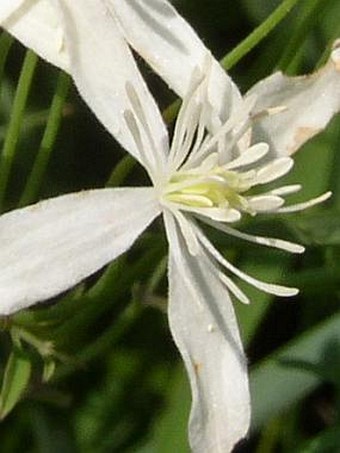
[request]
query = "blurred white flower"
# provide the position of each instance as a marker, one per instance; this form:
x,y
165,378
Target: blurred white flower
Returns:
x,y
204,177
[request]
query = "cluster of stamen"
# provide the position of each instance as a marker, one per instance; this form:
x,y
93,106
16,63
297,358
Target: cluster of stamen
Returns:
x,y
221,192
201,177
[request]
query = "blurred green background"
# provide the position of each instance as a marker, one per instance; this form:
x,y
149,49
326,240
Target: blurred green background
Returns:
x,y
113,381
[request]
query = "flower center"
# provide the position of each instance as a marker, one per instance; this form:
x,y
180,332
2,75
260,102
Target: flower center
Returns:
x,y
217,188
220,192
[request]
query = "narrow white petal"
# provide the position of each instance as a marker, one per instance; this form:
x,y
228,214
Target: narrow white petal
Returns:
x,y
38,25
204,327
310,103
49,247
172,48
103,69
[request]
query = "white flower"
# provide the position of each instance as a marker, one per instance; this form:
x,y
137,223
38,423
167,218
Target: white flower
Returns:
x,y
203,177
219,151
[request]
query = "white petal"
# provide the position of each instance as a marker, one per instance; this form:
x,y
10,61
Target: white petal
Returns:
x,y
37,24
49,247
310,103
172,48
103,69
7,7
204,327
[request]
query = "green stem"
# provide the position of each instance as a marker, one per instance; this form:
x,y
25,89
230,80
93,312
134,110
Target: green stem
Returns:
x,y
292,54
120,172
269,436
35,179
12,136
31,120
104,342
5,44
258,34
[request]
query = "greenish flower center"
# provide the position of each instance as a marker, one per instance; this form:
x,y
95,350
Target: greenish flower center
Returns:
x,y
218,188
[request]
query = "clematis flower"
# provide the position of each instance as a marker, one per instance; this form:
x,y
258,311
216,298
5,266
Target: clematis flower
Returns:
x,y
223,146
204,177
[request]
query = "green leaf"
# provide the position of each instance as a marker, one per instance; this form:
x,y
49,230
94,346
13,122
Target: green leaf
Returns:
x,y
170,431
326,442
251,316
276,385
322,227
16,378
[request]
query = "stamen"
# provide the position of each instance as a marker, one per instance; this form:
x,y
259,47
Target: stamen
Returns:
x,y
136,136
191,200
267,241
269,112
286,190
223,214
188,233
305,205
251,155
276,290
274,170
183,136
238,117
264,203
190,109
180,257
138,111
233,288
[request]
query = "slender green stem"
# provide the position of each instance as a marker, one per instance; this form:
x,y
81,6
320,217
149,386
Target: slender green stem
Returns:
x,y
35,179
258,34
170,113
103,343
270,436
31,120
292,54
158,274
12,136
120,172
5,44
